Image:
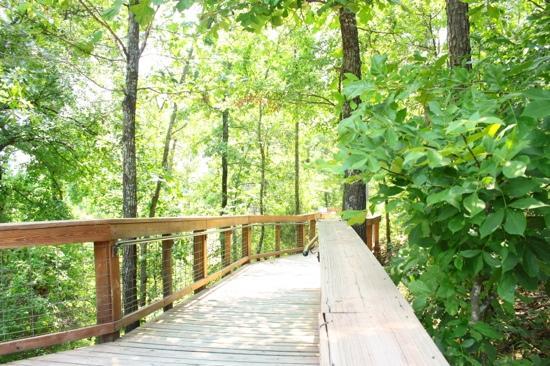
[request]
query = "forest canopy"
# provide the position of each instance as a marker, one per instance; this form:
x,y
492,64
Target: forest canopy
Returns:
x,y
434,114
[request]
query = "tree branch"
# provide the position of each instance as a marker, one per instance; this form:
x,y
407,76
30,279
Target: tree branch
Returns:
x,y
88,8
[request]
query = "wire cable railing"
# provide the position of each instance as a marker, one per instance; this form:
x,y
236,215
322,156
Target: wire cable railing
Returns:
x,y
56,299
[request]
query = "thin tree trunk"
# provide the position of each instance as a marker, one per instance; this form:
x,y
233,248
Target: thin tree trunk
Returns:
x,y
129,177
355,192
166,167
225,174
458,34
297,207
262,174
225,170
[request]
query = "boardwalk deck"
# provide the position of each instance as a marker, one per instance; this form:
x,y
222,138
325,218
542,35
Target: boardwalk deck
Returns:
x,y
367,320
265,314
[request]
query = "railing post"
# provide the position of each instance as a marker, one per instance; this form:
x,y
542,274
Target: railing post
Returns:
x,y
246,241
107,284
227,240
167,270
312,229
300,237
200,258
376,232
368,223
277,238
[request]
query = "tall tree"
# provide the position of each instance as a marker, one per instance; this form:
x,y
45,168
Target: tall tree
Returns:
x,y
225,167
129,170
261,148
297,207
458,34
355,190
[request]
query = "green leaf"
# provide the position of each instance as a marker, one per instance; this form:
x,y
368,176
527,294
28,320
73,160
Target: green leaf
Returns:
x,y
413,156
435,159
487,330
143,12
514,169
491,223
459,263
507,287
112,12
353,89
537,109
473,204
509,262
520,186
515,222
456,224
470,253
490,260
354,217
528,203
530,263
184,4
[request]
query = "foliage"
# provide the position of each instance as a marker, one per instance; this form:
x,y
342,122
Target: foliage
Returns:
x,y
464,155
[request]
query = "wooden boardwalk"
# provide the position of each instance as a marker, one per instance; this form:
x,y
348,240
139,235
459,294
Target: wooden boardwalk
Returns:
x,y
264,314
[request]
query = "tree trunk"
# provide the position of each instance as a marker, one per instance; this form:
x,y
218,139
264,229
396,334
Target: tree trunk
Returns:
x,y
297,207
262,174
355,193
225,171
129,178
458,34
225,174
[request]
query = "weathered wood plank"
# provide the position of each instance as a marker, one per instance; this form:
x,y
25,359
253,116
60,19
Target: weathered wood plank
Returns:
x,y
264,314
368,322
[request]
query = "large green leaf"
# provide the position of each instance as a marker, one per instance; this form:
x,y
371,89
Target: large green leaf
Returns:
x,y
507,287
491,223
515,222
143,12
514,169
537,109
473,204
527,203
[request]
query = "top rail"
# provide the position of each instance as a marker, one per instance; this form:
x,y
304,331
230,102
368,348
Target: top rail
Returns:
x,y
17,235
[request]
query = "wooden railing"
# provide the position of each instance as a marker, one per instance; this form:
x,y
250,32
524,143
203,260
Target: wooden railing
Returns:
x,y
108,236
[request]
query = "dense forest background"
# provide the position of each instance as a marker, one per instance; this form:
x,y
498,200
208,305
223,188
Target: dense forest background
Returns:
x,y
146,108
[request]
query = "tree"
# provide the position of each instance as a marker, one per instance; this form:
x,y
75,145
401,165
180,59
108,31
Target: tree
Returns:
x,y
458,34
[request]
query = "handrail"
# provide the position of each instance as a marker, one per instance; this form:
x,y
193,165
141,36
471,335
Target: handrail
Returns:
x,y
16,235
105,233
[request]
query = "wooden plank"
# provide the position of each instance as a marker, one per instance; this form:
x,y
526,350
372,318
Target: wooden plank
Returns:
x,y
367,320
276,253
300,236
17,235
227,240
278,239
246,244
107,285
167,275
200,258
55,338
263,314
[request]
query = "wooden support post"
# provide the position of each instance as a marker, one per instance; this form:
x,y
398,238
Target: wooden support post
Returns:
x,y
107,285
376,232
277,239
227,240
368,223
200,258
300,237
246,241
167,270
312,229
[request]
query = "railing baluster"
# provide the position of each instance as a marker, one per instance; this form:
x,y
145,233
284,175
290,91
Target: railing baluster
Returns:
x,y
312,229
107,280
300,237
167,246
246,241
200,258
277,239
228,239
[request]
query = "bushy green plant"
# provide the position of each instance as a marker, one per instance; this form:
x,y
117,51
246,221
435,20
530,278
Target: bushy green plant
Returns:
x,y
465,154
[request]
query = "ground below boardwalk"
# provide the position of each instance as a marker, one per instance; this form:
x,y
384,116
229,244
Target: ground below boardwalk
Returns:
x,y
265,314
